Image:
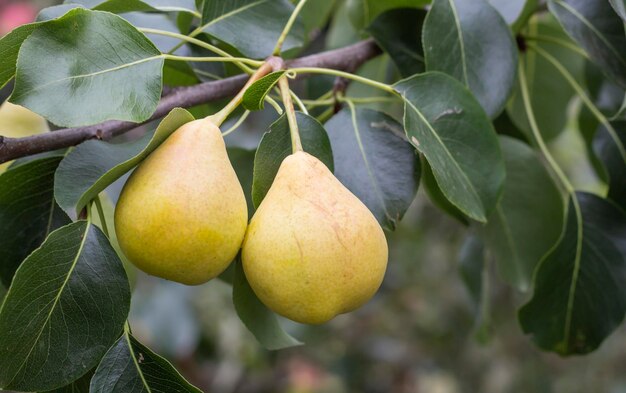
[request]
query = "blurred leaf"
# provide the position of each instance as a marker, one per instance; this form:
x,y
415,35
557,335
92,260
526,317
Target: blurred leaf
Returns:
x,y
373,160
259,319
251,26
620,8
596,27
550,93
131,367
528,220
579,296
436,195
341,32
475,275
276,146
87,67
510,10
254,97
363,12
608,151
444,122
315,14
470,41
81,385
399,33
28,212
178,73
621,113
56,11
66,306
122,6
93,165
17,121
243,163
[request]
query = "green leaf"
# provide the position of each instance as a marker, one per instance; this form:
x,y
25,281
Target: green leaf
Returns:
x,y
122,6
436,196
469,40
399,33
254,97
131,367
608,151
373,160
87,67
596,27
28,212
620,8
243,163
81,385
511,10
579,296
259,319
92,166
550,93
275,146
528,220
251,26
363,12
315,14
444,122
66,306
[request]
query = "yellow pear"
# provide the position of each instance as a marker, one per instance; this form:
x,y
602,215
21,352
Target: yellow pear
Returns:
x,y
182,215
313,250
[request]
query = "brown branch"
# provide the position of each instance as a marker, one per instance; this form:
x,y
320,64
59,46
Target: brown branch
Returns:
x,y
346,58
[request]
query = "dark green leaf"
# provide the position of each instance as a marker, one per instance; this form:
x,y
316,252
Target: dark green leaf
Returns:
x,y
243,163
470,41
131,367
92,166
436,195
81,385
509,9
363,12
550,93
596,27
315,14
254,97
475,275
620,8
276,146
373,160
67,304
444,122
87,67
608,151
251,26
528,220
399,33
579,296
259,319
28,212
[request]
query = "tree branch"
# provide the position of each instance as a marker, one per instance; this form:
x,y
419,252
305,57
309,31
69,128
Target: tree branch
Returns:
x,y
347,58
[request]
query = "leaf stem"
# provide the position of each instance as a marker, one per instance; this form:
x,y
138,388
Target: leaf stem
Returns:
x,y
255,63
537,134
288,26
299,102
296,143
239,122
356,100
197,42
347,75
267,67
584,97
103,220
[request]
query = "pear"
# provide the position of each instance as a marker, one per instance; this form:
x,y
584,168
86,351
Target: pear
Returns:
x,y
313,250
182,214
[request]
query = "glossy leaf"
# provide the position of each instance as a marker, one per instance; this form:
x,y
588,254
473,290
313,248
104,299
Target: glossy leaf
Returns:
x,y
470,41
550,93
254,97
509,9
444,122
92,166
259,319
373,160
598,29
131,367
579,296
251,26
276,146
528,220
620,8
363,12
66,306
437,197
28,212
399,33
87,67
608,151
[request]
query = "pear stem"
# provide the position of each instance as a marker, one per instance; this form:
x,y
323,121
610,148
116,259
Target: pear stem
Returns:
x,y
290,112
270,65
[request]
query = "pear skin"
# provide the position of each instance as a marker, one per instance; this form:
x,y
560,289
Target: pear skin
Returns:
x,y
182,214
313,250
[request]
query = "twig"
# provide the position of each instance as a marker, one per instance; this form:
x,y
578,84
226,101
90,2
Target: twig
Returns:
x,y
185,97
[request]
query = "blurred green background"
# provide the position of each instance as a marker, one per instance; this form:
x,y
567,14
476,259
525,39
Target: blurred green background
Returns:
x,y
422,332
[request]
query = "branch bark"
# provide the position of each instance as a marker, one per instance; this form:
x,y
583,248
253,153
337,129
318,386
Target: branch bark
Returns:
x,y
347,58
